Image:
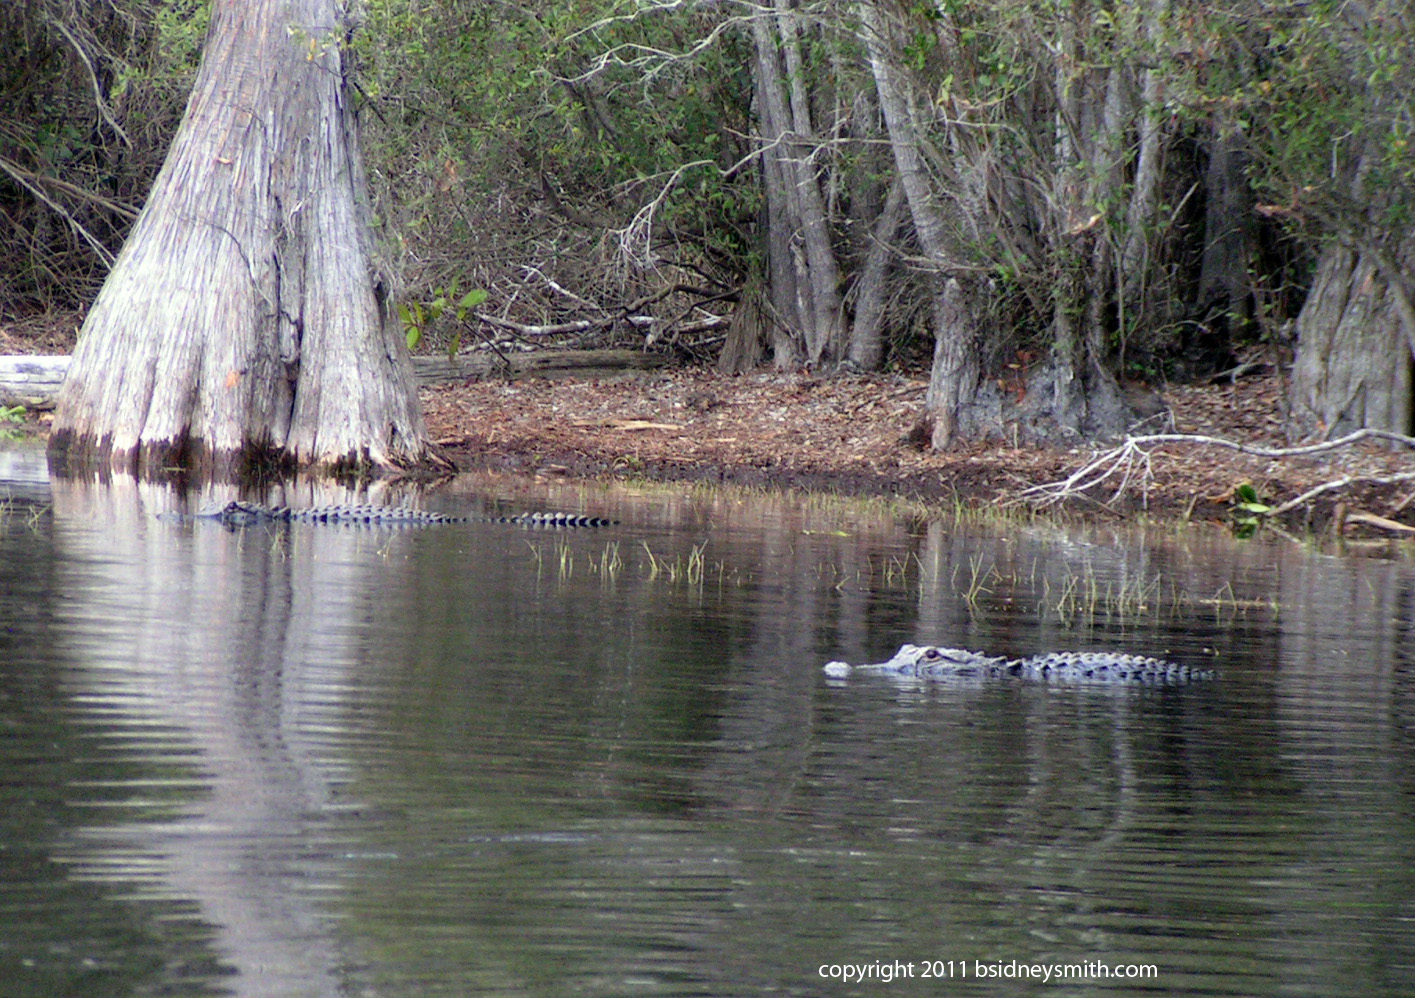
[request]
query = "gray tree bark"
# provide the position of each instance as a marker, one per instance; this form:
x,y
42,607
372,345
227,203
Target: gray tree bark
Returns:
x,y
865,349
243,321
1224,283
1355,364
956,362
805,275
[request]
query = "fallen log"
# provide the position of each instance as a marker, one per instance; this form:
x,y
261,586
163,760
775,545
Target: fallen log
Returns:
x,y
33,381
431,370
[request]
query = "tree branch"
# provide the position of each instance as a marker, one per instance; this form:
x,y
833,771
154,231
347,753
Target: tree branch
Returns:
x,y
30,182
1132,456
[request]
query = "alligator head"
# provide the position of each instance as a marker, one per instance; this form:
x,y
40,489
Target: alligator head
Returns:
x,y
234,513
926,662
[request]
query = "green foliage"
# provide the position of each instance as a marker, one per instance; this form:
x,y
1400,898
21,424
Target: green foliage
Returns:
x,y
1248,511
90,96
180,31
1323,95
417,316
11,418
508,132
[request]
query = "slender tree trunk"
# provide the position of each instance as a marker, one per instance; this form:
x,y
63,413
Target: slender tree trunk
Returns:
x,y
777,186
798,239
1141,285
865,348
825,337
1095,119
1140,217
243,322
1224,293
954,377
1070,227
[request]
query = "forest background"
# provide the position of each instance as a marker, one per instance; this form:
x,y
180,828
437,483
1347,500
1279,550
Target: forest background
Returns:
x,y
1042,200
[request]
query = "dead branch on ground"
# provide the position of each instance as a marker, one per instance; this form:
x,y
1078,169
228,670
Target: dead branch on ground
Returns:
x,y
1130,464
692,308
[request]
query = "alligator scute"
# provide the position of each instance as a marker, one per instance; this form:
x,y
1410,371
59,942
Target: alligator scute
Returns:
x,y
930,662
239,513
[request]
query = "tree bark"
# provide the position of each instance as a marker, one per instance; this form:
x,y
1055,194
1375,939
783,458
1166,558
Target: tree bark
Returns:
x,y
1355,360
781,277
954,377
865,348
243,322
825,337
1225,296
1355,365
805,275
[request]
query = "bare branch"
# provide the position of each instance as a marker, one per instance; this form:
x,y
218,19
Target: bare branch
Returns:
x,y
639,231
645,58
554,286
1341,483
1134,456
99,100
558,329
30,182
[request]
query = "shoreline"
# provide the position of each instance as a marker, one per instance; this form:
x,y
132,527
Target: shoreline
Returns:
x,y
850,436
853,435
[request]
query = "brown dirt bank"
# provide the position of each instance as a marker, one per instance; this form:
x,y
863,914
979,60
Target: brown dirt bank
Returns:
x,y
849,435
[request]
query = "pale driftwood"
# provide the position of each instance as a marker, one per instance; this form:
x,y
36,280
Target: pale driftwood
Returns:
x,y
1341,483
32,382
558,329
484,363
1132,459
1344,516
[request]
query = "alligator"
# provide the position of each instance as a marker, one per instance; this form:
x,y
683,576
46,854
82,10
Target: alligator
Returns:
x,y
930,662
238,513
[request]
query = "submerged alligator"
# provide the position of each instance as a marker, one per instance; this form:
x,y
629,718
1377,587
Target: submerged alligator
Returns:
x,y
929,662
238,513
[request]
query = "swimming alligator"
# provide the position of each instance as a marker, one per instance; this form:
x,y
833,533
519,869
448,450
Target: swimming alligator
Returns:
x,y
929,662
238,513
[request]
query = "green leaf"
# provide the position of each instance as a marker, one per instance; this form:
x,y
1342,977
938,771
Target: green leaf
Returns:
x,y
469,301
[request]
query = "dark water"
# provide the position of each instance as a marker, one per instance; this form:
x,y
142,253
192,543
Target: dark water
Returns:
x,y
485,761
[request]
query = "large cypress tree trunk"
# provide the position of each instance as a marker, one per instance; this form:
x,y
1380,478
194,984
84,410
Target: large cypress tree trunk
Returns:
x,y
1355,350
243,321
1355,362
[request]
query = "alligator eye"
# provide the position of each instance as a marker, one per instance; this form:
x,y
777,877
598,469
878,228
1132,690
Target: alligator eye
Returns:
x,y
932,653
